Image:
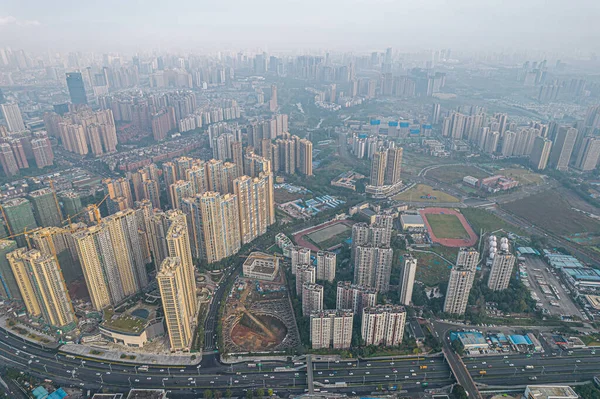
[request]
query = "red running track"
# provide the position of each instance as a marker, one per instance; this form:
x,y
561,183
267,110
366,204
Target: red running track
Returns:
x,y
449,242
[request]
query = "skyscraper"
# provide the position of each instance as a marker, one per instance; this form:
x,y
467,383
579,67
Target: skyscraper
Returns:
x,y
312,298
589,154
9,288
305,158
502,267
540,153
378,168
13,117
383,325
563,147
19,217
45,208
372,267
354,297
179,247
326,266
179,190
119,194
220,219
407,279
393,166
331,328
171,283
273,101
461,281
46,289
76,88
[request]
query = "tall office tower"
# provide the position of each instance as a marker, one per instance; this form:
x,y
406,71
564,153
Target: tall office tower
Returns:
x,y
172,286
13,117
45,207
383,325
221,225
563,147
540,153
462,276
354,297
193,215
237,155
331,328
42,152
312,298
178,191
326,266
435,114
407,279
273,101
502,267
393,165
57,241
305,274
198,179
378,168
71,202
214,174
8,161
299,256
287,156
372,267
41,282
589,153
119,194
123,228
9,288
178,244
305,158
76,88
19,217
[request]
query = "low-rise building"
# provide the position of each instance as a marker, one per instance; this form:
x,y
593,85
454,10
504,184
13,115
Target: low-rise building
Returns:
x,y
549,392
411,222
261,266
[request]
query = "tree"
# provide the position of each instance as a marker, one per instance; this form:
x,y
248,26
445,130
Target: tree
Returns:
x,y
459,392
260,392
270,391
208,394
228,393
218,395
249,394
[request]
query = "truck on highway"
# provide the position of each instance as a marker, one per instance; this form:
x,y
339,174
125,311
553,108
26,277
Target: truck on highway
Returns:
x,y
482,372
423,367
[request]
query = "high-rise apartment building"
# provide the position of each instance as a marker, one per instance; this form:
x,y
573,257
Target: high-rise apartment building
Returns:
x,y
192,209
171,283
563,147
19,217
9,288
393,166
237,155
540,153
299,256
407,279
589,154
383,325
13,117
372,267
119,194
273,101
304,159
502,267
220,220
253,198
178,191
57,241
354,297
76,88
461,280
312,298
45,207
326,262
331,328
378,168
44,286
198,179
304,274
42,152
8,160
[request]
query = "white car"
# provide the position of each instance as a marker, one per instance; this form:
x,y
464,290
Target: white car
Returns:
x,y
137,380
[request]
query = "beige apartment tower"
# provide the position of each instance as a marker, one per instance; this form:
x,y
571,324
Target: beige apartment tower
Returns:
x,y
383,325
331,328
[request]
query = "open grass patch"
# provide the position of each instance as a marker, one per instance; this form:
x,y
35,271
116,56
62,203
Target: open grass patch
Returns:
x,y
425,193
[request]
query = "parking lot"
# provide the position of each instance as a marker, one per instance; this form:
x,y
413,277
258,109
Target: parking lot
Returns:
x,y
549,289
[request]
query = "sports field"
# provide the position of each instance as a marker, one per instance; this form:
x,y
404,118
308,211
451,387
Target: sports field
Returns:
x,y
330,236
446,226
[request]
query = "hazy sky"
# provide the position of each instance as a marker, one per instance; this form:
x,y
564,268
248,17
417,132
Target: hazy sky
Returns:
x,y
359,25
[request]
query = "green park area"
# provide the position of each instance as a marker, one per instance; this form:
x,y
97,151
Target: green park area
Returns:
x,y
425,193
482,219
446,226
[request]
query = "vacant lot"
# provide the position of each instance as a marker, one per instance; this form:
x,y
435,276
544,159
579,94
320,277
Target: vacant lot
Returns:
x,y
481,219
431,269
455,174
330,235
446,226
283,196
551,212
523,176
422,190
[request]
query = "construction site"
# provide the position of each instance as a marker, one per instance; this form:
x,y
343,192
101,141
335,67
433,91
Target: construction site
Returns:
x,y
259,317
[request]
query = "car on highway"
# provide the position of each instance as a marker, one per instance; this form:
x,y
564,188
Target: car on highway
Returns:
x,y
136,380
367,372
387,376
326,381
406,377
577,361
148,378
236,382
212,382
351,373
272,377
511,365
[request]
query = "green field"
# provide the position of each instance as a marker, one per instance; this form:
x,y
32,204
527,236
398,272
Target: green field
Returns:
x,y
431,270
455,174
330,236
551,212
523,176
481,219
415,193
446,226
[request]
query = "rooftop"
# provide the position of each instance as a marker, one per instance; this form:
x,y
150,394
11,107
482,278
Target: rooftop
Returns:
x,y
551,392
147,394
411,219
